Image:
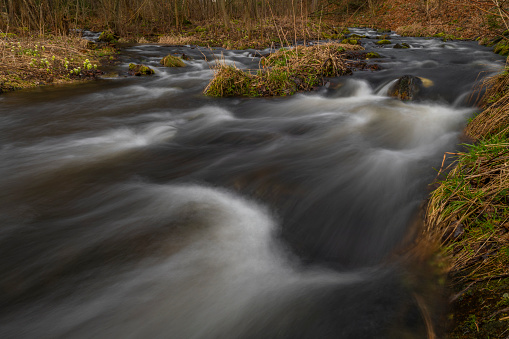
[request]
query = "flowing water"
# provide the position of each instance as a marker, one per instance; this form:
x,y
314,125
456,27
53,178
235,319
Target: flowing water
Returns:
x,y
136,207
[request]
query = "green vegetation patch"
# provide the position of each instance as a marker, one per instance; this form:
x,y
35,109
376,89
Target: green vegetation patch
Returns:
x,y
383,42
350,41
172,61
282,73
372,55
230,81
138,69
502,47
108,36
445,36
403,45
494,120
469,215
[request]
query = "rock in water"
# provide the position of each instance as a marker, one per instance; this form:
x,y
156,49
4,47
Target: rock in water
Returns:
x,y
406,88
172,61
138,70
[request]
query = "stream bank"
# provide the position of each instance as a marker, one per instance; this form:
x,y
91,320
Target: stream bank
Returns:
x,y
468,217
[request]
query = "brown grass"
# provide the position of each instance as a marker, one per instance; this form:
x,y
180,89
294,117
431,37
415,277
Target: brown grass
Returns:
x,y
284,72
494,120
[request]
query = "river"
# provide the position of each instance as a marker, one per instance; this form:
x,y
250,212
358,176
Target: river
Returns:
x,y
136,207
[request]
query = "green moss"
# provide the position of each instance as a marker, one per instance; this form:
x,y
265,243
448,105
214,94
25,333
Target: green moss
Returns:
x,y
172,61
372,55
108,36
403,45
383,42
350,41
445,37
502,47
138,69
7,35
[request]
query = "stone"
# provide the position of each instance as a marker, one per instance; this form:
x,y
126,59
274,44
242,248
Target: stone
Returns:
x,y
402,45
406,88
138,70
172,61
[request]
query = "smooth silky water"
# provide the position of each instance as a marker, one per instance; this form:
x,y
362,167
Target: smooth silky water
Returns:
x,y
136,207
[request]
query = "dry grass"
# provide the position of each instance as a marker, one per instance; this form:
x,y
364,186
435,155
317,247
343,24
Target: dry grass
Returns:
x,y
468,214
284,72
494,120
176,40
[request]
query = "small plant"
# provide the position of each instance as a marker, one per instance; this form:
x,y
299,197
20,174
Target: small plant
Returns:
x,y
87,65
75,71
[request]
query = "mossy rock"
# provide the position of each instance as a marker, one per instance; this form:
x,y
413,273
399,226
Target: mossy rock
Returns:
x,y
406,88
350,42
383,42
108,36
172,61
372,55
402,45
502,48
138,69
356,36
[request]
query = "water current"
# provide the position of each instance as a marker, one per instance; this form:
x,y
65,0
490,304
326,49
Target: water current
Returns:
x,y
136,207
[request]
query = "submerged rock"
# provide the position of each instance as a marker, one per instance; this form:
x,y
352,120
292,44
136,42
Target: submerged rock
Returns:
x,y
406,88
172,61
372,55
138,70
402,45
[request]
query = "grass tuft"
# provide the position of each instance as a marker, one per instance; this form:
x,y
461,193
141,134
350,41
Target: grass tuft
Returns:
x,y
284,72
172,61
494,120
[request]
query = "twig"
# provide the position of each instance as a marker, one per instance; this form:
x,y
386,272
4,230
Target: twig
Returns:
x,y
500,311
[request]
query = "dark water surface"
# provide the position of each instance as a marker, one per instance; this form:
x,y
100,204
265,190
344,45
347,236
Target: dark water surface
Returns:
x,y
139,208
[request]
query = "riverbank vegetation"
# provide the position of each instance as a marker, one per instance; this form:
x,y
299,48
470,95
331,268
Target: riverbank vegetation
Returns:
x,y
30,61
468,216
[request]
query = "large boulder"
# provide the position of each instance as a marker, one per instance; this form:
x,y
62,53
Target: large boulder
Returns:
x,y
406,88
